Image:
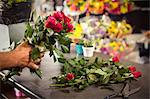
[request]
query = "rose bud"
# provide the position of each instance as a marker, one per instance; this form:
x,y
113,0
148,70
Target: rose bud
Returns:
x,y
136,74
132,68
58,16
50,22
58,27
70,76
115,59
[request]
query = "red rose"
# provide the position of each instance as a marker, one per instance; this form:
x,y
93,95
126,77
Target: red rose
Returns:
x,y
66,19
58,16
70,76
132,68
58,27
70,27
50,22
115,59
136,74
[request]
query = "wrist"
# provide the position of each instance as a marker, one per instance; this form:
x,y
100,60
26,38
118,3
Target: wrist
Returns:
x,y
13,58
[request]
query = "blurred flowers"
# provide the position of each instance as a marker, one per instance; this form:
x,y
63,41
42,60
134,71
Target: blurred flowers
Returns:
x,y
98,6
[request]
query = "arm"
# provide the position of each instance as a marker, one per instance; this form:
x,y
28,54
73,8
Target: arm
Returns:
x,y
18,57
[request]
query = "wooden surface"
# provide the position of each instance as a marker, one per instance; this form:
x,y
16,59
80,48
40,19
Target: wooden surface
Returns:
x,y
50,69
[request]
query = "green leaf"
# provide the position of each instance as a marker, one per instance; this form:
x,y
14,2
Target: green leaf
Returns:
x,y
59,53
54,57
29,31
65,48
106,79
99,71
72,62
92,77
35,54
38,72
119,78
61,60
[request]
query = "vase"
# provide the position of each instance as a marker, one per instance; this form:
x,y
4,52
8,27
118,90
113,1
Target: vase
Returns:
x,y
88,51
79,49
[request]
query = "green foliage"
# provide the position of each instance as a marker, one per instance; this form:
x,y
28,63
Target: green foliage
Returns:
x,y
88,43
35,54
91,71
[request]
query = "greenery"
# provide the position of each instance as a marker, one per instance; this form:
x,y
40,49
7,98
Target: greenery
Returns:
x,y
88,43
81,73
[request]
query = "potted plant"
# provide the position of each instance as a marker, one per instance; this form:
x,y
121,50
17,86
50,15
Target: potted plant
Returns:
x,y
88,48
78,47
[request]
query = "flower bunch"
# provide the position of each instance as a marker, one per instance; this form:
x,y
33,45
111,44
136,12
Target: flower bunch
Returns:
x,y
43,34
98,6
81,73
59,22
77,5
118,6
119,29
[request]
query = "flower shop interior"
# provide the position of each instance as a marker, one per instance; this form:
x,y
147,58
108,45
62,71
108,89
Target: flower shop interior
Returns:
x,y
82,49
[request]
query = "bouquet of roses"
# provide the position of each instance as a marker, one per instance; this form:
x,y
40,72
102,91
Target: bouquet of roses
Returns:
x,y
43,34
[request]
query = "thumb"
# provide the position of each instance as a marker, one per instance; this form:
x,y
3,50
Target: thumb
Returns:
x,y
33,66
23,44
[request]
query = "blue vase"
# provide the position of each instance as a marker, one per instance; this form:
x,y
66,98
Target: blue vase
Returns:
x,y
79,49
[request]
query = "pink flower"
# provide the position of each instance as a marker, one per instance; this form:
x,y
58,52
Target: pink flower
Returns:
x,y
137,74
58,16
115,59
70,27
132,68
58,27
50,22
70,76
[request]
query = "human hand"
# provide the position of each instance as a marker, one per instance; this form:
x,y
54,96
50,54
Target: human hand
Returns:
x,y
22,56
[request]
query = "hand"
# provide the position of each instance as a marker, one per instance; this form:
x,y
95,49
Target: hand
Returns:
x,y
22,56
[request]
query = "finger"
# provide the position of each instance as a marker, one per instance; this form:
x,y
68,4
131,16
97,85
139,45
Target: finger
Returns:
x,y
37,61
24,44
41,55
32,65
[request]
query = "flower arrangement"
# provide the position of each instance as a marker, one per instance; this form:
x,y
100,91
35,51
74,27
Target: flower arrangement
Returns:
x,y
98,6
81,73
119,29
77,5
118,6
43,35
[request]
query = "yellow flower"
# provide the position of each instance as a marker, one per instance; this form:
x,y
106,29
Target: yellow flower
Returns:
x,y
77,32
124,8
114,5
